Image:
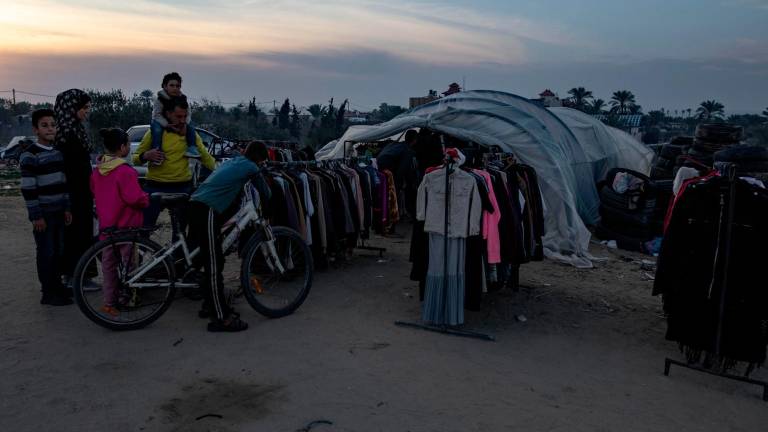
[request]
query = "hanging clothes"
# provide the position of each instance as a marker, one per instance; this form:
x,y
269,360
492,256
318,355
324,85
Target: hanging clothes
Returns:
x,y
450,217
507,228
444,291
694,261
331,204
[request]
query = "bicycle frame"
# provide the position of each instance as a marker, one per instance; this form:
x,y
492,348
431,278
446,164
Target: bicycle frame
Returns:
x,y
249,213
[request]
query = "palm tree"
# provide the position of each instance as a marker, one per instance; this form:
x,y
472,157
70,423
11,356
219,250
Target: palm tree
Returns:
x,y
579,96
689,112
316,110
765,112
710,109
622,101
597,106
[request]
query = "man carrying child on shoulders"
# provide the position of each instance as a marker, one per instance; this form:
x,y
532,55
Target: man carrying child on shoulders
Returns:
x,y
169,171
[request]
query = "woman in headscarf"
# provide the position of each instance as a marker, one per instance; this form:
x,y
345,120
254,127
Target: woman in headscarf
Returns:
x,y
72,141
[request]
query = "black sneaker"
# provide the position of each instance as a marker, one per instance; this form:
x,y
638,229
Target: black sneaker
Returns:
x,y
234,324
55,300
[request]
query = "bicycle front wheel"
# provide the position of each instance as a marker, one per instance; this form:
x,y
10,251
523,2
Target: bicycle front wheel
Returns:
x,y
123,272
276,283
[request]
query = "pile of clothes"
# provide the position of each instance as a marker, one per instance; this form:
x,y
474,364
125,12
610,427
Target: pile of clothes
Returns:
x,y
750,161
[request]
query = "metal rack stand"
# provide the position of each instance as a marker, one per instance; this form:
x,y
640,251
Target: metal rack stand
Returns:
x,y
668,362
444,328
363,246
731,174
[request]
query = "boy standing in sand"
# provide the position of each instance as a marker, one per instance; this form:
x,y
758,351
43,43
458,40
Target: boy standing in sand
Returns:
x,y
44,187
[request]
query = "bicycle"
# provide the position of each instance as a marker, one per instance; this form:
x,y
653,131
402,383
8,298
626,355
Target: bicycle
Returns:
x,y
275,273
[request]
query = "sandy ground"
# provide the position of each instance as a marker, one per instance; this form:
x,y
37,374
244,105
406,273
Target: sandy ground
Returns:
x,y
589,357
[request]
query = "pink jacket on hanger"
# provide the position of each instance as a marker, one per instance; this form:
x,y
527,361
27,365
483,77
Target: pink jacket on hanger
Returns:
x,y
490,227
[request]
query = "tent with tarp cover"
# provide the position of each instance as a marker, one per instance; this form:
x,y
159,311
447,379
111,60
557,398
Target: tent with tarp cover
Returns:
x,y
569,150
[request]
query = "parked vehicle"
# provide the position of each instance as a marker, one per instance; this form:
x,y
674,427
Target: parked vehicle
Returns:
x,y
217,146
16,146
220,148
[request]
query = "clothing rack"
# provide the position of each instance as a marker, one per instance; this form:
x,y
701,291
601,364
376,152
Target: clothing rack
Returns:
x,y
287,145
730,172
362,244
291,164
444,328
329,163
497,155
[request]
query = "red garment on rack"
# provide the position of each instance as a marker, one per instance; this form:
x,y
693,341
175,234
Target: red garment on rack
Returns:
x,y
676,198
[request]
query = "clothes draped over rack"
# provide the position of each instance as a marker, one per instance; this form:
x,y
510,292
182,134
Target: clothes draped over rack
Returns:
x,y
332,204
494,222
710,270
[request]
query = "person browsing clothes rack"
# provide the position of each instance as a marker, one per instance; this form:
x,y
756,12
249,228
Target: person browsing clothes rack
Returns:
x,y
210,206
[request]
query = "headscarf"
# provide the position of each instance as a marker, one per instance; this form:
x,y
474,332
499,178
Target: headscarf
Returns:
x,y
68,103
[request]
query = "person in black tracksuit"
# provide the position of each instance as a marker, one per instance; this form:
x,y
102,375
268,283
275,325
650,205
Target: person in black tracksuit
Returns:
x,y
210,206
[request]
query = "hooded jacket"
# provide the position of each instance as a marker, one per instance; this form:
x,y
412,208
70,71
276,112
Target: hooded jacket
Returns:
x,y
119,198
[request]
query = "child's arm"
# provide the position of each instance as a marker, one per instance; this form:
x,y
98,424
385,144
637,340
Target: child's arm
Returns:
x,y
29,190
146,143
157,113
130,191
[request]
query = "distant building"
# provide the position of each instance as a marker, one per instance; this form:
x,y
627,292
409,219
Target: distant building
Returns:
x,y
357,116
630,123
413,102
548,98
452,89
422,100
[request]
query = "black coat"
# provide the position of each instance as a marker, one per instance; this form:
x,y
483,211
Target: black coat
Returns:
x,y
77,168
693,264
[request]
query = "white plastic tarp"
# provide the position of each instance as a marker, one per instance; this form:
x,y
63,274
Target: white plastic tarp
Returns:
x,y
605,147
565,163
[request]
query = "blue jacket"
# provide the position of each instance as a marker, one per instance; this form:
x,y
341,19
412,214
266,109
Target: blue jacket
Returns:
x,y
222,187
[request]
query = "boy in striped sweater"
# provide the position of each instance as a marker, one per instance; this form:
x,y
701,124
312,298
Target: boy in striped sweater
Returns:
x,y
44,187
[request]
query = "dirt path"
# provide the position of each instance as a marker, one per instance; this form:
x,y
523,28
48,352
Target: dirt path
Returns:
x,y
589,357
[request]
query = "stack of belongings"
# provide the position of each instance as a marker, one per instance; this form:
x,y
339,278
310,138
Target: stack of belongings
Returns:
x,y
630,211
664,167
750,161
710,139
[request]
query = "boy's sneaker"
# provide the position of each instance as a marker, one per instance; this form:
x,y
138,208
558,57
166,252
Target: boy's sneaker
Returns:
x,y
192,152
110,310
55,300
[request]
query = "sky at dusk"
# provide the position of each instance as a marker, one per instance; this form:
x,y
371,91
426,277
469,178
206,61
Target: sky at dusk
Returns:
x,y
671,54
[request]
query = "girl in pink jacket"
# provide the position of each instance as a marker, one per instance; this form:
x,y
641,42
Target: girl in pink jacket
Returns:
x,y
119,203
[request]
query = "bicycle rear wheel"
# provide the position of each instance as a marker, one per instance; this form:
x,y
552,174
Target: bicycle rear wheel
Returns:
x,y
270,291
139,303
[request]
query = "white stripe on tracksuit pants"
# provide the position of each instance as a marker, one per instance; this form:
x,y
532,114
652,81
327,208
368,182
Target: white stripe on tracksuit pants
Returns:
x,y
205,226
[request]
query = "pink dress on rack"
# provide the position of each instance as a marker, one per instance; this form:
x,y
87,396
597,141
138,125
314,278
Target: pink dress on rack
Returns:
x,y
490,228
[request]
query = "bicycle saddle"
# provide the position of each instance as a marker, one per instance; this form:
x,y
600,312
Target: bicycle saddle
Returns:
x,y
170,197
